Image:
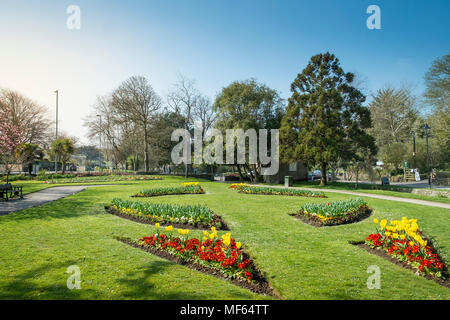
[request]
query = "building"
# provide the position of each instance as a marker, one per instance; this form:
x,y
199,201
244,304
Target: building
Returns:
x,y
297,170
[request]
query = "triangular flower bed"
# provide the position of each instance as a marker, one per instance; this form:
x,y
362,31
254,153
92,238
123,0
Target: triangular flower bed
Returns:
x,y
223,258
242,188
403,243
190,217
333,213
186,188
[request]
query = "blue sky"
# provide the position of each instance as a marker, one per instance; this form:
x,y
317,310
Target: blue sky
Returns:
x,y
213,41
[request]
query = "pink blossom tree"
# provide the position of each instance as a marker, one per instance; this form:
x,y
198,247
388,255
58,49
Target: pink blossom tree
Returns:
x,y
11,135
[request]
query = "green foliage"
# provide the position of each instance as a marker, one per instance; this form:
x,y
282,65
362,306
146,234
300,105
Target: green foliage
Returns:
x,y
62,150
325,119
170,190
248,105
393,114
281,191
437,81
166,213
334,209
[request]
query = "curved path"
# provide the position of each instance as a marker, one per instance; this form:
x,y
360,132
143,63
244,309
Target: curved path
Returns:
x,y
41,197
376,196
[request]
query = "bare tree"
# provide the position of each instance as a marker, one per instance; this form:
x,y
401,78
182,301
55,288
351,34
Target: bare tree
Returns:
x,y
28,114
186,100
204,114
136,101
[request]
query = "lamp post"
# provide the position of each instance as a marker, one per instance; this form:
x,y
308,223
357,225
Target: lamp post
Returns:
x,y
427,132
100,140
414,148
56,135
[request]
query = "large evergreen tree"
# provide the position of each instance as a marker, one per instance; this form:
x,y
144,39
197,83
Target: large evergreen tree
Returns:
x,y
325,119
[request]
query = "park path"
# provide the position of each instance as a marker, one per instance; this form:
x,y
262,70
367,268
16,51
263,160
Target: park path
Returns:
x,y
376,196
41,197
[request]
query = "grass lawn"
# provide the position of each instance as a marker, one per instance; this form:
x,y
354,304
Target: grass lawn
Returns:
x,y
300,261
367,188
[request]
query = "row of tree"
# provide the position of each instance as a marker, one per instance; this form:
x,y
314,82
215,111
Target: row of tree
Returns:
x,y
326,123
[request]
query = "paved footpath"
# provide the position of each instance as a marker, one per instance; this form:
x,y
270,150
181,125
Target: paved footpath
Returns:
x,y
377,196
41,197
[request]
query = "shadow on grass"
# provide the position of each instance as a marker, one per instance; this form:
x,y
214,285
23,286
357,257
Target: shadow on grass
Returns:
x,y
24,285
70,207
139,286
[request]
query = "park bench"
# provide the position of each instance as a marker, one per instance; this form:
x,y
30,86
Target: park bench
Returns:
x,y
8,191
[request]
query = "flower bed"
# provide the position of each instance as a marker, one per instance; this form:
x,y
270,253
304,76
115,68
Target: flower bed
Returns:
x,y
406,243
186,188
223,257
110,178
280,191
199,217
334,213
238,186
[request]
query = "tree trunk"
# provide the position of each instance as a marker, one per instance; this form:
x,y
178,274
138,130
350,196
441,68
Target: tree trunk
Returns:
x,y
146,150
240,172
30,168
258,177
323,180
63,168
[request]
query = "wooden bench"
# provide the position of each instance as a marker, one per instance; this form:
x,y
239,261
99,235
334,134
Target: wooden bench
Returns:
x,y
8,191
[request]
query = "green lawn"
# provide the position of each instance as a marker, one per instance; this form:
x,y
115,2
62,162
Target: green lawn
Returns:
x,y
300,261
367,188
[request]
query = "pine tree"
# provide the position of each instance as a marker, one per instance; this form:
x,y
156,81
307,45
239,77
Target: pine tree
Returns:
x,y
325,119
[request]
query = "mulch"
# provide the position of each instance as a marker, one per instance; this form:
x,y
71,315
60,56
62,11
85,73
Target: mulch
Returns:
x,y
364,213
259,284
217,219
383,254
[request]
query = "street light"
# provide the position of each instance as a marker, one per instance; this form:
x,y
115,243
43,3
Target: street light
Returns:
x,y
427,132
414,147
57,96
100,139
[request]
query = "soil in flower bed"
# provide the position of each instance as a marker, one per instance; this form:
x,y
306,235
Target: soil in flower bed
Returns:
x,y
362,213
218,221
259,284
383,254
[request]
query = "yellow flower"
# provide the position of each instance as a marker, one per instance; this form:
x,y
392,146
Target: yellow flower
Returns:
x,y
156,225
180,231
383,223
186,232
387,233
238,245
375,221
169,228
